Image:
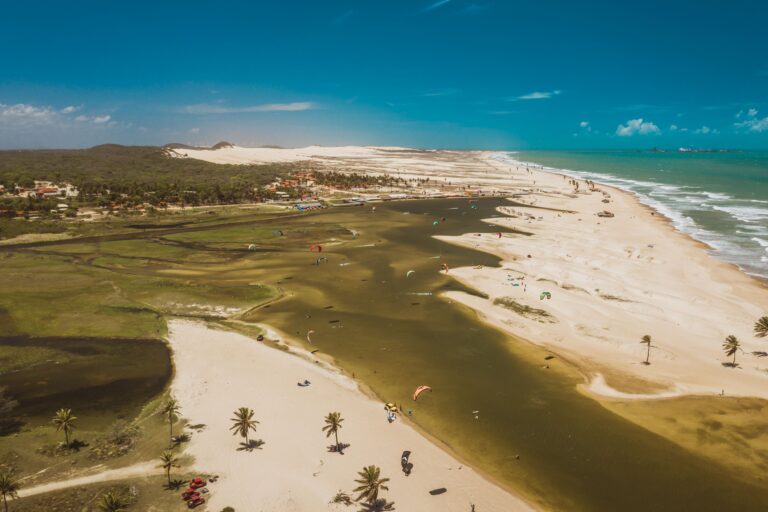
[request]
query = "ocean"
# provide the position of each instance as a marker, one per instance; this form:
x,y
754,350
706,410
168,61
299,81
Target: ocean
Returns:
x,y
720,199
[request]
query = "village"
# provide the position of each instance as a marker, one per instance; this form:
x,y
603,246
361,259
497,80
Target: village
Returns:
x,y
304,190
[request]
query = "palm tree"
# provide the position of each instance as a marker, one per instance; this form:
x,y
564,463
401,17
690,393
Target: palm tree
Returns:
x,y
761,327
168,461
64,420
647,340
731,346
332,426
243,422
113,502
9,486
370,484
171,411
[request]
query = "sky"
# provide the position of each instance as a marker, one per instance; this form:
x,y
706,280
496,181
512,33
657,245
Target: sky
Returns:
x,y
460,74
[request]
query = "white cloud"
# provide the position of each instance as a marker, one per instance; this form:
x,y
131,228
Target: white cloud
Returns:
x,y
95,119
537,95
194,130
441,92
204,108
70,109
436,5
760,125
673,127
637,126
26,115
753,123
706,130
584,124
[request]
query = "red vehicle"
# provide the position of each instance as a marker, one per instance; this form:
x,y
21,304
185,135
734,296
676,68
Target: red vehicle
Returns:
x,y
195,503
190,494
197,483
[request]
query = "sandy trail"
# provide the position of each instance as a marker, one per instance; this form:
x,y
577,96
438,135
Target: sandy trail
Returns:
x,y
141,469
218,371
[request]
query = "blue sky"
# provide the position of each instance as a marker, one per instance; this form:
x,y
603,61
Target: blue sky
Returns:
x,y
434,73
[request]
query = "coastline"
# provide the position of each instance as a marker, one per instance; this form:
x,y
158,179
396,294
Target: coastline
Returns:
x,y
590,357
294,347
293,470
677,219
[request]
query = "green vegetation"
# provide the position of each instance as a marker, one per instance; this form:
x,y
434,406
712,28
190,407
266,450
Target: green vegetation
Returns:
x,y
332,425
761,327
168,461
646,339
731,346
171,411
243,423
9,485
138,494
113,502
134,175
345,181
371,484
65,422
616,298
523,310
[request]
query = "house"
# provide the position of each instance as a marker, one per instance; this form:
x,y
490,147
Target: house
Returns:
x,y
47,192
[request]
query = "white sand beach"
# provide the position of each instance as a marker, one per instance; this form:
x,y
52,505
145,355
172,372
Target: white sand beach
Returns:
x,y
613,280
218,372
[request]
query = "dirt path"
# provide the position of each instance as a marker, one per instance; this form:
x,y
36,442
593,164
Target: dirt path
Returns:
x,y
137,470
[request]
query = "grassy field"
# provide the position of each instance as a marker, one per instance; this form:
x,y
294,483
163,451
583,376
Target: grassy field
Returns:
x,y
81,325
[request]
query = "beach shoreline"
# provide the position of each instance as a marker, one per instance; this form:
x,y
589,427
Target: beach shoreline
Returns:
x,y
663,228
285,474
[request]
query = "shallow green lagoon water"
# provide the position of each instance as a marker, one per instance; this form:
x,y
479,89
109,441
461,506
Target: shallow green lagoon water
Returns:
x,y
573,453
101,380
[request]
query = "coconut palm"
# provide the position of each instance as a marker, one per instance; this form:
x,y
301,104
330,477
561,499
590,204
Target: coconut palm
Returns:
x,y
243,422
168,461
113,502
171,411
370,484
647,340
731,346
64,420
332,426
9,486
761,327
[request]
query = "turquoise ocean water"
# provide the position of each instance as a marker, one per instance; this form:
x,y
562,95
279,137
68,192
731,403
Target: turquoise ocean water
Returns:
x,y
718,198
